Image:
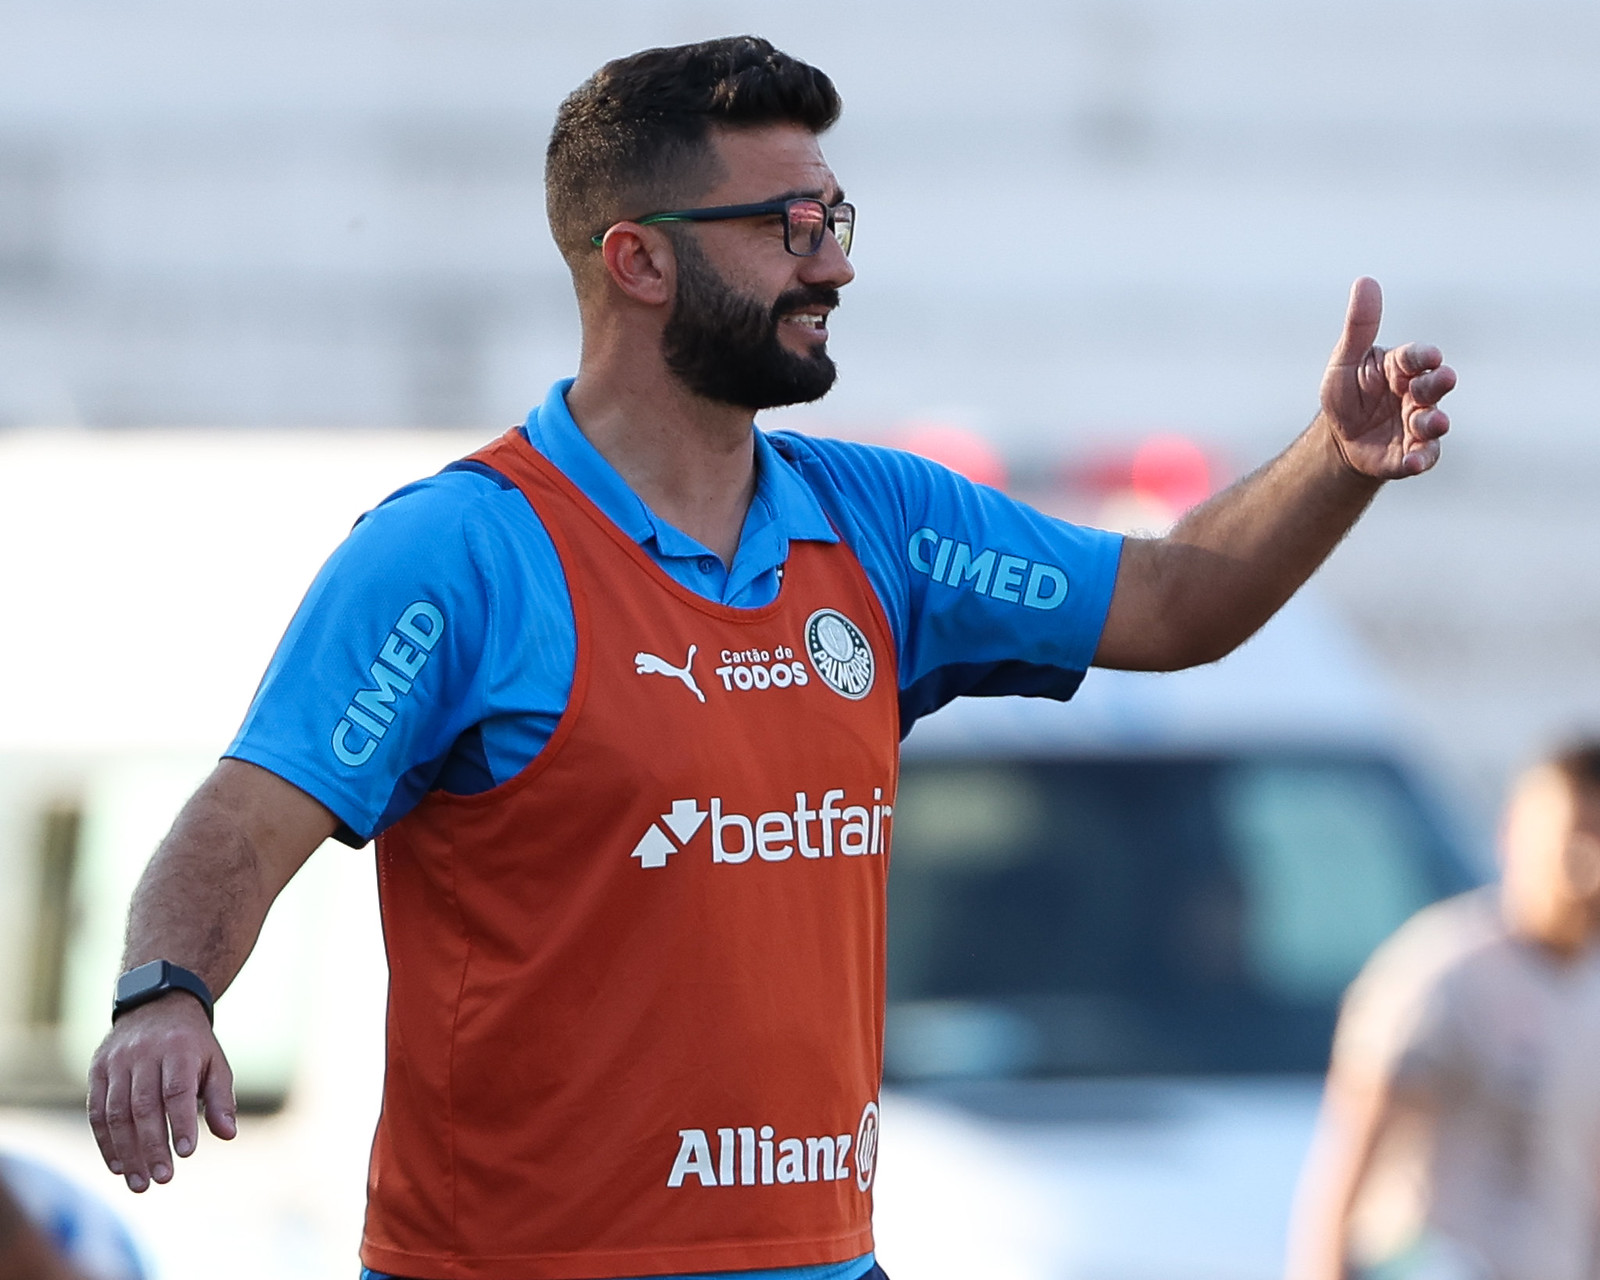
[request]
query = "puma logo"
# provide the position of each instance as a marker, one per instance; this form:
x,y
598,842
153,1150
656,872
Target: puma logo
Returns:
x,y
647,664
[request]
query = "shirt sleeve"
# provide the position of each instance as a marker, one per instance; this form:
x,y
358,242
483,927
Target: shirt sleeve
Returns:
x,y
986,596
386,670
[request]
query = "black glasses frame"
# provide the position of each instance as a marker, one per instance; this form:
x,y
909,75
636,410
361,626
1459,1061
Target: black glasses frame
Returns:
x,y
724,212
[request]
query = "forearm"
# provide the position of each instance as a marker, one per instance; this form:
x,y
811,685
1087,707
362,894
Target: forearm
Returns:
x,y
1321,1218
1354,1114
1236,559
202,900
1231,563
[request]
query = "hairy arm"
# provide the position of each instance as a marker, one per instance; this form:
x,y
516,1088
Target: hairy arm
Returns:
x,y
1226,567
199,904
1198,593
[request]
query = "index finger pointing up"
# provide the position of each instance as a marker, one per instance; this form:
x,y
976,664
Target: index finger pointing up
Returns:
x,y
1361,322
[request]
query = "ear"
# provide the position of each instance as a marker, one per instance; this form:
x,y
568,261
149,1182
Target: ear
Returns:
x,y
1582,858
641,263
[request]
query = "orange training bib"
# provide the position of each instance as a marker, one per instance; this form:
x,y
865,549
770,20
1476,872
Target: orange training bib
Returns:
x,y
636,992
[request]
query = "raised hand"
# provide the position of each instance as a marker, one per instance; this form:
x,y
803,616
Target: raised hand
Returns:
x,y
1382,407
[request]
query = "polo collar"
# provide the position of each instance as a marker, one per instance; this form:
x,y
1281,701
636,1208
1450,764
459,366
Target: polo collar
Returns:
x,y
783,510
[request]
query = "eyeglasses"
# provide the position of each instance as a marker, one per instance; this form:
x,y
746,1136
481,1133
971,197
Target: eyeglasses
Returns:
x,y
805,220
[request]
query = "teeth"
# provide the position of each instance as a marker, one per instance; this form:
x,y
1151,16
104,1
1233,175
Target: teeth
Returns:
x,y
811,322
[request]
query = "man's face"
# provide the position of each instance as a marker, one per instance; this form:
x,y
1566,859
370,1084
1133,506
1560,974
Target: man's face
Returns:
x,y
1552,850
749,321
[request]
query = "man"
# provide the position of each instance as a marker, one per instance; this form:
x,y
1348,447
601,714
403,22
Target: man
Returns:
x,y
620,697
1460,1135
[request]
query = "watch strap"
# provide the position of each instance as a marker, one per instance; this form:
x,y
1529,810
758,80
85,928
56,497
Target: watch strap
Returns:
x,y
151,981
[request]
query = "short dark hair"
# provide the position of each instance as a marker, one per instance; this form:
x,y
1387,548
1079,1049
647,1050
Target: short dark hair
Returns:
x,y
1579,763
635,133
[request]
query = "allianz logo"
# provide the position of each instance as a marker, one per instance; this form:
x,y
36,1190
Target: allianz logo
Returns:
x,y
832,827
748,1156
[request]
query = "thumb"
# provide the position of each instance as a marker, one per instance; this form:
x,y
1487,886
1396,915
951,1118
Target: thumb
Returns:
x,y
1361,321
217,1096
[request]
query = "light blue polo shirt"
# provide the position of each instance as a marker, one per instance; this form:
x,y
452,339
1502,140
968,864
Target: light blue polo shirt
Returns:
x,y
447,605
984,596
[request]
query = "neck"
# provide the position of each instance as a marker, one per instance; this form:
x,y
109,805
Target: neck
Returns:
x,y
691,460
1563,930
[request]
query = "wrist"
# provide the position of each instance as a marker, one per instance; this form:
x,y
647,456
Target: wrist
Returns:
x,y
155,981
1337,455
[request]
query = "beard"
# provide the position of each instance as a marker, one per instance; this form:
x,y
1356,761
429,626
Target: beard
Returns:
x,y
724,345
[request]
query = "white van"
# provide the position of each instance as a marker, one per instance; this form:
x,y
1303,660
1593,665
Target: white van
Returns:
x,y
1119,931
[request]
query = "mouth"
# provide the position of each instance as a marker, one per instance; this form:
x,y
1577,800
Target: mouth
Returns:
x,y
813,323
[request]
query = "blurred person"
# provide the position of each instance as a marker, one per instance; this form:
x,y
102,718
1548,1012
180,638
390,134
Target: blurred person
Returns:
x,y
51,1229
620,698
26,1253
1460,1134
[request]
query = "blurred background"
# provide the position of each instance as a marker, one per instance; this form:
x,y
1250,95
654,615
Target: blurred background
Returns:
x,y
259,265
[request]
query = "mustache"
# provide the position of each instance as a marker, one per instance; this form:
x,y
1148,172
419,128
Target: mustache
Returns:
x,y
807,295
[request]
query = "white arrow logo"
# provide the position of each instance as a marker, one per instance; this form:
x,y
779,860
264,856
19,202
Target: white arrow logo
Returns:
x,y
683,820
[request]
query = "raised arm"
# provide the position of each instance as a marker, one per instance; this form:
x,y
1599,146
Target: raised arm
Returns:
x,y
199,904
1204,588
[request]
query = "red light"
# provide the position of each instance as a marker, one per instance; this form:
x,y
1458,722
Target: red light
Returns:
x,y
958,448
1173,471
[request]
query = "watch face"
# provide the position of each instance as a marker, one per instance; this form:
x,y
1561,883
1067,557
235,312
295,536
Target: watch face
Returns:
x,y
137,981
151,981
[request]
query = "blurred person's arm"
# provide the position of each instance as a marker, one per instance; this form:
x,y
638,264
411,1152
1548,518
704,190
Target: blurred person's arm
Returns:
x,y
1196,593
1357,1108
25,1252
1400,1035
200,904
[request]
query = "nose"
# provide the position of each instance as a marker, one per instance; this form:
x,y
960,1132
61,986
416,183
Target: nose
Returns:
x,y
828,265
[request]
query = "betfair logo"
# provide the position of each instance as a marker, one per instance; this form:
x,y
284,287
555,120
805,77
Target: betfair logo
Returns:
x,y
682,820
833,827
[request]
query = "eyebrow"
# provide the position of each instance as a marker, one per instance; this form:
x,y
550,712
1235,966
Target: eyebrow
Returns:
x,y
811,193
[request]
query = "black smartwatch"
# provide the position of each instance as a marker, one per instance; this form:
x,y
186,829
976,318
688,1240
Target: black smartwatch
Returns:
x,y
151,981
